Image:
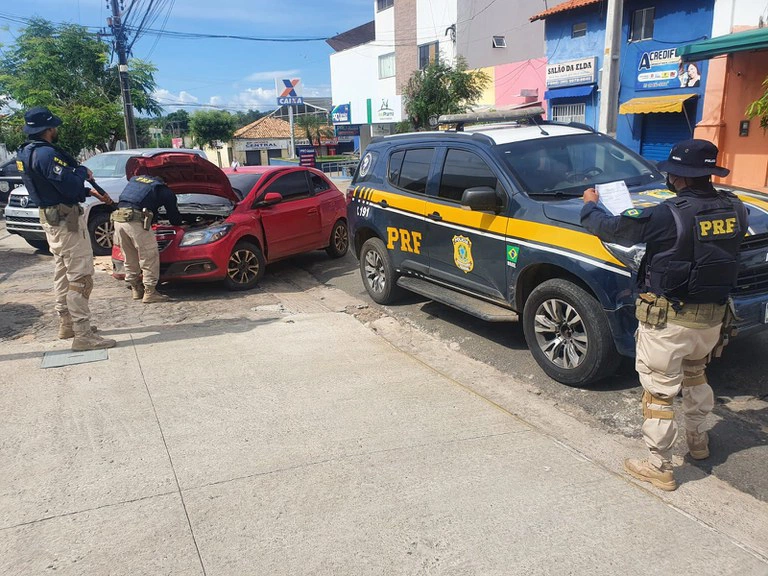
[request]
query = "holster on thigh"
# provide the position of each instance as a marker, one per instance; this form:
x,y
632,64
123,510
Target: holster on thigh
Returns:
x,y
83,285
664,412
693,372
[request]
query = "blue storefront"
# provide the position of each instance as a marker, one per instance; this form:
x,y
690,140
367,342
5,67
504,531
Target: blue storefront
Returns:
x,y
660,101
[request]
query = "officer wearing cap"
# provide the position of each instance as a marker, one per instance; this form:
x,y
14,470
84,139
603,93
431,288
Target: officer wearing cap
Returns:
x,y
56,182
690,266
139,202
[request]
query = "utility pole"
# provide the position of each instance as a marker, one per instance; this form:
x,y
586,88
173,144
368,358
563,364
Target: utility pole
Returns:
x,y
118,32
609,86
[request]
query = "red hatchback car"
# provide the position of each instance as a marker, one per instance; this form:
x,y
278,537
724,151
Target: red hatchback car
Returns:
x,y
238,221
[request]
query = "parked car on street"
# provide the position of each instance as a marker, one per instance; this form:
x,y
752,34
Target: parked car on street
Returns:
x,y
21,212
486,220
238,221
10,178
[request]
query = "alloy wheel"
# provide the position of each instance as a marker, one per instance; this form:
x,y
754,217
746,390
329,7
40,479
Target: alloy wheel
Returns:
x,y
340,239
243,266
374,271
560,333
103,234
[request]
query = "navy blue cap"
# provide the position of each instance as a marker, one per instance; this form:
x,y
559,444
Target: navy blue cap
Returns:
x,y
693,158
38,119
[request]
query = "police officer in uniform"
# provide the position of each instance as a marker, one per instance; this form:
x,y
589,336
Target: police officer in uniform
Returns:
x,y
689,268
139,203
56,183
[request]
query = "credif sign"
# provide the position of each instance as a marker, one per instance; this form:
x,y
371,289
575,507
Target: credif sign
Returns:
x,y
289,91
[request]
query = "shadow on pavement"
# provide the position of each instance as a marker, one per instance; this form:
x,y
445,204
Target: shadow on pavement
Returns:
x,y
15,318
14,261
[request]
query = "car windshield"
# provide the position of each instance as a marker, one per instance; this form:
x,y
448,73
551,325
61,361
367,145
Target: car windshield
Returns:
x,y
243,182
108,165
567,165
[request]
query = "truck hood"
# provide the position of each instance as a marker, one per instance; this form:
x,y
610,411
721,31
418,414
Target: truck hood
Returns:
x,y
183,173
568,211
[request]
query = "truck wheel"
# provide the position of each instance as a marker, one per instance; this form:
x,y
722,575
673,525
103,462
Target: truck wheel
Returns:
x,y
101,230
568,333
245,266
41,245
379,276
339,241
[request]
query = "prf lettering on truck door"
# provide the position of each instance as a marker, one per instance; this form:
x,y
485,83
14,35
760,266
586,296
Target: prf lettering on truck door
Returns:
x,y
408,240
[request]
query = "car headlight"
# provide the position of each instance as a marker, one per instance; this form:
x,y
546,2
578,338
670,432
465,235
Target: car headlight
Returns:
x,y
629,256
206,235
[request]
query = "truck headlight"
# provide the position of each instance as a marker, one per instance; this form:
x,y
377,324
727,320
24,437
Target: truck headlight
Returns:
x,y
206,235
629,256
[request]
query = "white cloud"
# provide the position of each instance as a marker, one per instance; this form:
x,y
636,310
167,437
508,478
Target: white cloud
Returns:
x,y
256,98
271,75
216,101
168,99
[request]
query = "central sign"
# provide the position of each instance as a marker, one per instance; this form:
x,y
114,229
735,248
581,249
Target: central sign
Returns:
x,y
289,91
572,73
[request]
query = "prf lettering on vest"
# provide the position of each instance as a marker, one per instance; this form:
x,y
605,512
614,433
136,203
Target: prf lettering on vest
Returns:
x,y
717,227
409,241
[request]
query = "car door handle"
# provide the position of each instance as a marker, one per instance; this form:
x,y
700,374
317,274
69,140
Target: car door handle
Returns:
x,y
383,203
435,216
312,211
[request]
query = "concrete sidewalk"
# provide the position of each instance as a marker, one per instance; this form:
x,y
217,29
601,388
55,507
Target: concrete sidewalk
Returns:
x,y
302,442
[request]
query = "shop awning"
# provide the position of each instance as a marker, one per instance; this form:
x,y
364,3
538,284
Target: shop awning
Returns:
x,y
569,92
654,104
737,42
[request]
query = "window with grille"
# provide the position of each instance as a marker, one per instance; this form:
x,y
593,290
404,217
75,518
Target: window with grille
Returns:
x,y
570,113
642,25
428,53
387,65
384,4
579,30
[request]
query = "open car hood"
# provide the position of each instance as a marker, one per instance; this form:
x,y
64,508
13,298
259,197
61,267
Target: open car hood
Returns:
x,y
183,173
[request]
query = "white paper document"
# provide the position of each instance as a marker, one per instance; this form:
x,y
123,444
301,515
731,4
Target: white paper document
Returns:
x,y
614,196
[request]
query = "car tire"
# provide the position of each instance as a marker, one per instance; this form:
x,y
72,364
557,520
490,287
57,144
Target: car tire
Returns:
x,y
339,241
101,231
245,266
379,276
568,333
41,245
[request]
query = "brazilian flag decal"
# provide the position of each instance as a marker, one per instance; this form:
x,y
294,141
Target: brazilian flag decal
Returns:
x,y
512,253
632,212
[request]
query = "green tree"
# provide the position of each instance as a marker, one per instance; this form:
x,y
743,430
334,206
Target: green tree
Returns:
x,y
177,123
245,118
67,69
442,89
759,108
314,127
208,126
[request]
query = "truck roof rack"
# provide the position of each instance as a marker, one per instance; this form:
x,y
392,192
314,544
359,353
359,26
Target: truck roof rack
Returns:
x,y
533,113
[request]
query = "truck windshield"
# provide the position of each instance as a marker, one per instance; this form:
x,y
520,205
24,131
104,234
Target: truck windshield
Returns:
x,y
567,165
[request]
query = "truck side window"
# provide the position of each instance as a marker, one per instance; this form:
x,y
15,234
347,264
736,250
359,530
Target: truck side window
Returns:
x,y
414,171
464,170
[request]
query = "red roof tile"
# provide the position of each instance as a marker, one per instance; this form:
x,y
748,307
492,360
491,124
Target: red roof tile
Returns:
x,y
564,7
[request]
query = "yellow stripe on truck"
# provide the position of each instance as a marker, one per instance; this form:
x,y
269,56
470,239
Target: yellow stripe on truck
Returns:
x,y
572,240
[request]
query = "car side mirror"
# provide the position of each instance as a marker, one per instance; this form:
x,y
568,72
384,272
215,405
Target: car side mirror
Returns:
x,y
270,199
481,198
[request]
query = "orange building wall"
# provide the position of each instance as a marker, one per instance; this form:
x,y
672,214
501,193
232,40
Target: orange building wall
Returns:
x,y
746,157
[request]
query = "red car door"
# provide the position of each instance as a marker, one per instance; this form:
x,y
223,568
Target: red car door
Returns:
x,y
293,225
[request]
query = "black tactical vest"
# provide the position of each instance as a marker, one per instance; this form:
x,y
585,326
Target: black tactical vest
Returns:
x,y
37,185
138,188
702,266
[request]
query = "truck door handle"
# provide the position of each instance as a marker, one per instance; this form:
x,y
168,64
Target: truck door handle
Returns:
x,y
435,216
383,203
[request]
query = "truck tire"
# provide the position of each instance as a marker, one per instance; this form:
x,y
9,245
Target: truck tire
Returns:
x,y
568,333
379,276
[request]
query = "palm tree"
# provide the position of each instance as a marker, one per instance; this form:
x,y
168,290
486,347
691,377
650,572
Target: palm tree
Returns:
x,y
314,127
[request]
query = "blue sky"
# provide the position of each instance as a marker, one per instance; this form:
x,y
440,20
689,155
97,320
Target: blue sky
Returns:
x,y
232,74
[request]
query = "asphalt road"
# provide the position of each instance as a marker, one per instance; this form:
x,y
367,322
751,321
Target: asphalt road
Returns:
x,y
740,432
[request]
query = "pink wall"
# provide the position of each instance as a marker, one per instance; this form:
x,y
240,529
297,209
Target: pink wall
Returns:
x,y
511,78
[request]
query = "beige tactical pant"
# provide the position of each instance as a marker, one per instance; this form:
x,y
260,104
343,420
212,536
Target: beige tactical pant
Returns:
x,y
669,358
141,253
73,269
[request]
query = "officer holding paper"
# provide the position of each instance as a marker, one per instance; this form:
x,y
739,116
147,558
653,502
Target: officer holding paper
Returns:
x,y
689,268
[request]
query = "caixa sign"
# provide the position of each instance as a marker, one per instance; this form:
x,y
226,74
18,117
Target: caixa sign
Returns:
x,y
289,91
341,114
